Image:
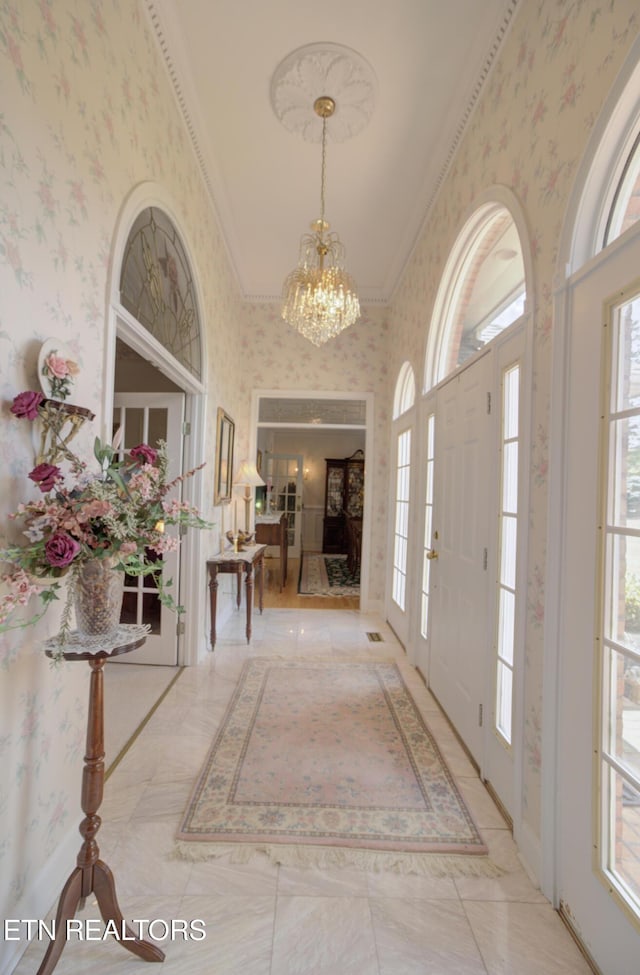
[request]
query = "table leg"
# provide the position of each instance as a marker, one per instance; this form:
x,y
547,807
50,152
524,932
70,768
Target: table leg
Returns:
x,y
249,594
105,891
91,875
238,586
213,600
260,570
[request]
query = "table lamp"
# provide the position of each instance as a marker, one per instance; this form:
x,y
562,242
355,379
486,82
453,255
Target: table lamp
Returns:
x,y
248,477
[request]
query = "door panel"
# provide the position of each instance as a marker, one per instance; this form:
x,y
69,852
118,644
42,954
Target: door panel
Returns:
x,y
460,596
603,924
285,472
148,418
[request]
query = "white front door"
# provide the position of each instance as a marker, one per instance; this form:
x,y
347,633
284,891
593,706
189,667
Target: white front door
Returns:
x,y
460,594
599,818
148,418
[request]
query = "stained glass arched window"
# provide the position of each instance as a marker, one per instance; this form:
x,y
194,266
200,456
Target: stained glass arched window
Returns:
x,y
157,287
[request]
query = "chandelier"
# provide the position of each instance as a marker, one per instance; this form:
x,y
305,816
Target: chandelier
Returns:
x,y
319,297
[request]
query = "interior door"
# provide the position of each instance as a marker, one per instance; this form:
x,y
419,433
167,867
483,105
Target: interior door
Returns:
x,y
460,595
149,418
286,475
584,640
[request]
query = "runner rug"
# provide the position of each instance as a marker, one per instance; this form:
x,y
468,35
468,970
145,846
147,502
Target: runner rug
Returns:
x,y
326,575
322,762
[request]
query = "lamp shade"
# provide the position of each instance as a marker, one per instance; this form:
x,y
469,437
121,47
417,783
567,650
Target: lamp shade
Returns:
x,y
247,474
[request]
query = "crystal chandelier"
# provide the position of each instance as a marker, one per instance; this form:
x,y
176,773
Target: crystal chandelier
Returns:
x,y
319,296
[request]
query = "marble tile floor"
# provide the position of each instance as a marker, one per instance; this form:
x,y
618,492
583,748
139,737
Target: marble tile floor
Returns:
x,y
265,919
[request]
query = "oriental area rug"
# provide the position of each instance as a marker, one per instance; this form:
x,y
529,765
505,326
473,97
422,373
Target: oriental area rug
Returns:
x,y
326,575
322,762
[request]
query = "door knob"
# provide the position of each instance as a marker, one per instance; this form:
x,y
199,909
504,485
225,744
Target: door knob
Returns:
x,y
432,554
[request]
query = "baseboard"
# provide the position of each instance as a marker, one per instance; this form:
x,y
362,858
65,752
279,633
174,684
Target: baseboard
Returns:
x,y
566,920
43,894
529,852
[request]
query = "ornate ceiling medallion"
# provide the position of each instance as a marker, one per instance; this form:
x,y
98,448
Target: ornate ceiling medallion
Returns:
x,y
324,69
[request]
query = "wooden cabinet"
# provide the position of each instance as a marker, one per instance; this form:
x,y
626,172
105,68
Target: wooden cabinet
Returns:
x,y
344,495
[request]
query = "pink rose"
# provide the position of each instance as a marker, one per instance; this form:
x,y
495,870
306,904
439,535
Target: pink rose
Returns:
x,y
57,366
26,405
45,476
128,548
61,550
144,453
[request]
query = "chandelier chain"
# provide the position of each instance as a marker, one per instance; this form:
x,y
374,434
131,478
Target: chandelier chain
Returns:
x,y
323,173
320,298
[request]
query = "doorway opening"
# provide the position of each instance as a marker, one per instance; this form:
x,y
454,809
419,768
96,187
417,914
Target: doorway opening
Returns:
x,y
304,434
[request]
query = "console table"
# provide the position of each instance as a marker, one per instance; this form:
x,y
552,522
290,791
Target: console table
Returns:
x,y
273,530
251,561
92,875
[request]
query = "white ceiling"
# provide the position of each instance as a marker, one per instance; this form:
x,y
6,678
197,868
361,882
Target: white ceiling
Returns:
x,y
430,59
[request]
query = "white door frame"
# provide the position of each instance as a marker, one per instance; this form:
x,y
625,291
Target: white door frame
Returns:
x,y
120,324
368,399
589,202
195,642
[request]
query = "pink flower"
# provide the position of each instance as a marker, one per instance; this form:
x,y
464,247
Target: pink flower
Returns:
x,y
128,548
22,586
57,366
45,476
61,550
144,453
26,405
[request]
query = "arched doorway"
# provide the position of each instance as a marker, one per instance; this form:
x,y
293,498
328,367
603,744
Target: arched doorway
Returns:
x,y
474,445
593,652
154,316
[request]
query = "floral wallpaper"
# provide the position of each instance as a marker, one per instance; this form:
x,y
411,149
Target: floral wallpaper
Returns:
x,y
88,115
528,132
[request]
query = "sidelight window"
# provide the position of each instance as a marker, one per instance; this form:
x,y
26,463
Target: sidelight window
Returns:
x,y
619,766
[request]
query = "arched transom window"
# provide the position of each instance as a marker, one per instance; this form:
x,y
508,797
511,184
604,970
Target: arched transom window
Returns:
x,y
405,393
157,287
625,208
482,291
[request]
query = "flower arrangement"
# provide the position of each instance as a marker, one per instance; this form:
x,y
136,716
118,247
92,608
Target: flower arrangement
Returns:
x,y
119,513
59,373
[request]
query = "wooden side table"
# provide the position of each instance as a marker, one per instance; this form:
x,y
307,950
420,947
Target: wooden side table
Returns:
x,y
251,561
92,875
273,530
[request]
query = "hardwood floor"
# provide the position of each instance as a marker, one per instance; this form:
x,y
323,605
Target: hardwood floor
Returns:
x,y
289,597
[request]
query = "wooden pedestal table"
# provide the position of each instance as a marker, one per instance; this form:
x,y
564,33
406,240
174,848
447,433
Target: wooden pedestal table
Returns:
x,y
92,875
251,560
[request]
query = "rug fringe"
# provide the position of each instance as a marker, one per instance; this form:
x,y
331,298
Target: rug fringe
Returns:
x,y
436,865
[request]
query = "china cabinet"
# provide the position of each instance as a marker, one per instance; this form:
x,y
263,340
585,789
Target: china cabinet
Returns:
x,y
344,495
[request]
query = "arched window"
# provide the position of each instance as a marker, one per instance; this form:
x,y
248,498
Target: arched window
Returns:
x,y
598,402
405,394
482,291
157,287
625,208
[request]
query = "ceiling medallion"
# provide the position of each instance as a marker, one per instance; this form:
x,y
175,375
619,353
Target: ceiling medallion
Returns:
x,y
324,69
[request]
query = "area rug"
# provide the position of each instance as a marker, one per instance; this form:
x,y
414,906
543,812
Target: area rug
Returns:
x,y
326,575
322,762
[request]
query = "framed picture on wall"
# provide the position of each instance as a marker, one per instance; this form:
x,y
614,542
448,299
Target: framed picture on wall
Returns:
x,y
224,458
